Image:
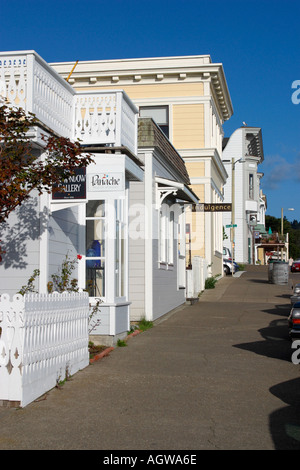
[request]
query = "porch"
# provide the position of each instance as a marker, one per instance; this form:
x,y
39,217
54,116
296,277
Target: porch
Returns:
x,y
94,117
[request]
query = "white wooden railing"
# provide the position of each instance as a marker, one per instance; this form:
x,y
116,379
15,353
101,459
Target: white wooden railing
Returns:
x,y
106,117
95,117
27,81
44,339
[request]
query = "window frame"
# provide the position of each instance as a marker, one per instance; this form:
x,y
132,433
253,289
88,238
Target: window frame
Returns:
x,y
101,259
165,127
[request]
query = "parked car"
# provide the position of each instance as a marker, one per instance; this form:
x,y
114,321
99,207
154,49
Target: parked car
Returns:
x,y
294,321
295,266
227,266
226,253
295,297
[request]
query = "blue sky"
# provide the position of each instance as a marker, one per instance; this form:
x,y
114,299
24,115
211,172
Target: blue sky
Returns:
x,y
256,41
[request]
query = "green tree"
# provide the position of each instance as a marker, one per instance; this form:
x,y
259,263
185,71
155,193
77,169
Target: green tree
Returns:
x,y
22,170
293,229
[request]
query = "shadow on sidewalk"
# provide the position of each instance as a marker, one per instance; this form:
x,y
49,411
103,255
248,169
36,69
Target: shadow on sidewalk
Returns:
x,y
275,343
284,423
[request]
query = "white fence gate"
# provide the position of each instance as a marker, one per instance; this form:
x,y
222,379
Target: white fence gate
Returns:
x,y
43,338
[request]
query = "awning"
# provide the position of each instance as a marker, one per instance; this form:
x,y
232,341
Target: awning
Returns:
x,y
180,190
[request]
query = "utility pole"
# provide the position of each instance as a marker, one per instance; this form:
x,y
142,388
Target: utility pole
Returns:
x,y
233,212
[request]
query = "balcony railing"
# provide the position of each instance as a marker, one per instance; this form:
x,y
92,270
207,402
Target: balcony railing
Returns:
x,y
96,118
107,118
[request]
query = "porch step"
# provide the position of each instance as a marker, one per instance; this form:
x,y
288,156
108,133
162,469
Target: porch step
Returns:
x,y
192,300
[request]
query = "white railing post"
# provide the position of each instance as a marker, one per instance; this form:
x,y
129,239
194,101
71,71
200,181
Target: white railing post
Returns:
x,y
29,82
119,118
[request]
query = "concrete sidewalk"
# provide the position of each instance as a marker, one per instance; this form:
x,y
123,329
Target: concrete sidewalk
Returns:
x,y
213,375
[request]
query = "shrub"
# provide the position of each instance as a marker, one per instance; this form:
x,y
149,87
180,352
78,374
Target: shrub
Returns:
x,y
210,282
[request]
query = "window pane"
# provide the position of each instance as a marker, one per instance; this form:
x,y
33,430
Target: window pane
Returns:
x,y
95,278
95,238
95,209
123,263
158,113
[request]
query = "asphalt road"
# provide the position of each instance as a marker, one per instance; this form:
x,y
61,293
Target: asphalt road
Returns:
x,y
216,375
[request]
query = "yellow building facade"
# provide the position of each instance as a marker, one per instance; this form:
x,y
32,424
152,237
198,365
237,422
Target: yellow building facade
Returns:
x,y
189,99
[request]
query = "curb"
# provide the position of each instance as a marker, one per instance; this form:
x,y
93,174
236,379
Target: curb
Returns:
x,y
136,332
102,354
109,349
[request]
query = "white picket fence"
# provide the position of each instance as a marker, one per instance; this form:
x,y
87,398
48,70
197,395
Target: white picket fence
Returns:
x,y
43,339
195,277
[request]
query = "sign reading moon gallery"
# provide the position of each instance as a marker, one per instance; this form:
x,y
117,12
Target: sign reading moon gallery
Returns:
x,y
73,187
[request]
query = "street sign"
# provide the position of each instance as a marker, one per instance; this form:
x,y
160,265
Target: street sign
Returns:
x,y
231,226
214,207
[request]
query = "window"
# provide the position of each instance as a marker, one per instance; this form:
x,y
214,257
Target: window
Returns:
x,y
166,235
160,114
120,250
95,248
171,238
251,186
163,234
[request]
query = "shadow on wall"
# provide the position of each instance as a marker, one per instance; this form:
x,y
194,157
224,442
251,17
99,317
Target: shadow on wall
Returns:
x,y
24,226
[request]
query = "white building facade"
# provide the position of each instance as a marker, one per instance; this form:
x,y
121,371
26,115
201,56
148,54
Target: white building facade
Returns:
x,y
89,220
242,154
189,99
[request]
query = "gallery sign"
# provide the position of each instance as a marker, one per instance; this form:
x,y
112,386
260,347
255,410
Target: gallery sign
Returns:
x,y
73,187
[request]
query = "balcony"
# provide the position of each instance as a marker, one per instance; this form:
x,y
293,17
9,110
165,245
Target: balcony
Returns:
x,y
96,118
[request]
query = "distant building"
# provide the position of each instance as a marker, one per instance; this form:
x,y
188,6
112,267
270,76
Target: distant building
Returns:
x,y
242,155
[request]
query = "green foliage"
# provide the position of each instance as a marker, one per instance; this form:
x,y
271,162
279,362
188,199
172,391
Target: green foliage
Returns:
x,y
62,281
145,324
210,282
21,169
293,229
30,286
121,343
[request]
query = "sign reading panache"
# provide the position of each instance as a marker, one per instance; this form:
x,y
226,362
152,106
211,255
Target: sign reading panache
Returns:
x,y
110,181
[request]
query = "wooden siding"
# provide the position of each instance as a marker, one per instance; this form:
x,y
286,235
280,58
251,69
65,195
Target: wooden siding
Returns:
x,y
63,238
188,126
20,236
136,247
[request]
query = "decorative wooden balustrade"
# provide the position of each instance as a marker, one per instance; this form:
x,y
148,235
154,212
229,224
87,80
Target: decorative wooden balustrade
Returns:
x,y
43,339
95,117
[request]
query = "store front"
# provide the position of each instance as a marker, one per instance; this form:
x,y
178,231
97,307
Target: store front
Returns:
x,y
103,240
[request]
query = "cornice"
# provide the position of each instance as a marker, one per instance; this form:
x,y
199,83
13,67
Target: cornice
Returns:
x,y
125,72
